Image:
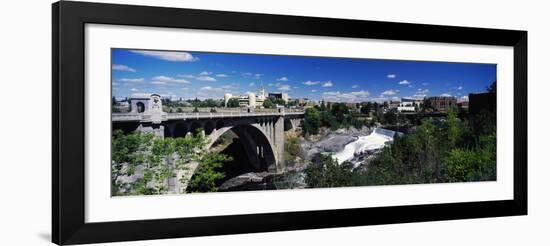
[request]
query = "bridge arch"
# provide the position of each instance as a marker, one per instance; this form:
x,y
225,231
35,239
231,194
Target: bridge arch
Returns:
x,y
180,130
195,125
209,127
219,124
259,148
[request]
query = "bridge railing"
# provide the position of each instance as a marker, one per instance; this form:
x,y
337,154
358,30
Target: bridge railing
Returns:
x,y
197,115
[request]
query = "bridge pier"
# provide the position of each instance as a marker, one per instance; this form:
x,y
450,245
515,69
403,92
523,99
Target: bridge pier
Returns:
x,y
279,142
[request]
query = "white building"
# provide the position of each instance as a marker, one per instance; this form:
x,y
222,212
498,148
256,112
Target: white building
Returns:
x,y
250,100
409,105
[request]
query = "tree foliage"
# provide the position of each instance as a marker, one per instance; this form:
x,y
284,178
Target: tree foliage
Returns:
x,y
324,171
233,103
268,103
157,158
311,122
208,173
438,150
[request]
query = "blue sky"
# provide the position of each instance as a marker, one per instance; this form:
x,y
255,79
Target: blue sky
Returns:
x,y
210,75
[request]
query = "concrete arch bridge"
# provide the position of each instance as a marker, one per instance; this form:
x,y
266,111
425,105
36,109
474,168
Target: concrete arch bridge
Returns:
x,y
261,133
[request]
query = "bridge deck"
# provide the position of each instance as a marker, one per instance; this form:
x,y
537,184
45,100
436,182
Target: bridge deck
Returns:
x,y
125,117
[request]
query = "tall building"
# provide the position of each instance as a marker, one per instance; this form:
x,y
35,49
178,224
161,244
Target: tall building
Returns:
x,y
261,93
440,103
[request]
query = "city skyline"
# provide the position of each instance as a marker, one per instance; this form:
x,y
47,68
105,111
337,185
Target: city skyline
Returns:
x,y
188,75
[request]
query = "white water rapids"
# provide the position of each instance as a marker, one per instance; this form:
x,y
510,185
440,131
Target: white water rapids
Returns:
x,y
376,140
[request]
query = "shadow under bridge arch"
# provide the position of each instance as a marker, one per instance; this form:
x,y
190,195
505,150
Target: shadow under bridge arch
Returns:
x,y
258,149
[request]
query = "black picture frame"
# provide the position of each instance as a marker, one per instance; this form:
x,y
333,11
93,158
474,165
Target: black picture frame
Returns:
x,y
68,107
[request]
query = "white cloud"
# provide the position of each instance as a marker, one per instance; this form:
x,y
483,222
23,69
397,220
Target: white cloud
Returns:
x,y
313,90
205,78
460,88
211,89
420,93
246,74
209,92
174,56
425,84
355,86
419,96
158,83
119,67
251,84
167,79
404,82
284,79
311,82
134,89
464,98
221,75
187,76
446,95
284,87
379,99
258,75
354,96
391,76
136,80
411,86
389,92
327,84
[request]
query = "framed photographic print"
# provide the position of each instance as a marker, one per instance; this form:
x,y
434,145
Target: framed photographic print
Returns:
x,y
176,123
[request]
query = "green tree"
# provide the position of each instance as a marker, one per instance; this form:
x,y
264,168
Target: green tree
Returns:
x,y
268,103
340,111
311,122
453,130
376,107
292,147
323,106
366,108
233,103
196,109
390,118
328,120
278,101
160,159
208,173
324,171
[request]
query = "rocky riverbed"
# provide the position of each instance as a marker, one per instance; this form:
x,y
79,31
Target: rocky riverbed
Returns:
x,y
330,141
293,176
